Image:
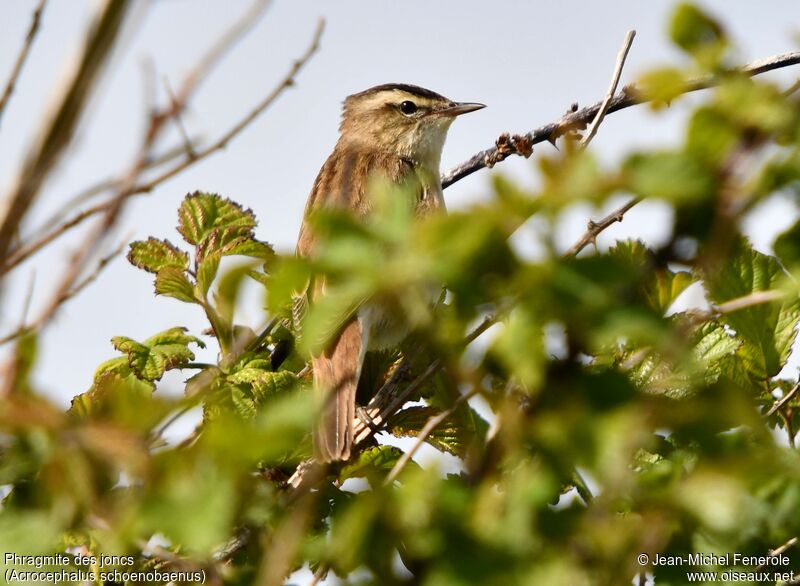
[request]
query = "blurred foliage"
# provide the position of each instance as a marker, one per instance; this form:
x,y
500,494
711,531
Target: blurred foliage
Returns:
x,y
616,419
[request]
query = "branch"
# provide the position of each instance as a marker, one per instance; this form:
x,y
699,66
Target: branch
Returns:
x,y
27,250
59,128
223,141
23,56
594,228
625,99
601,113
222,47
782,401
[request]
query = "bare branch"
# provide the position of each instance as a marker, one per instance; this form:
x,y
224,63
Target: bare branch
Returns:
x,y
25,251
59,128
601,113
782,401
22,57
222,47
223,141
625,99
187,142
91,278
594,228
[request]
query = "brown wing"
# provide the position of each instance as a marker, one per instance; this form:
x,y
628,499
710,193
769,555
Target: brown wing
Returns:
x,y
341,183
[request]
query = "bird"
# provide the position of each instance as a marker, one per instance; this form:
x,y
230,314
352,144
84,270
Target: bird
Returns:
x,y
394,133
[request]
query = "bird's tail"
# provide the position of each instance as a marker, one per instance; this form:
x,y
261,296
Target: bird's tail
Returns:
x,y
336,373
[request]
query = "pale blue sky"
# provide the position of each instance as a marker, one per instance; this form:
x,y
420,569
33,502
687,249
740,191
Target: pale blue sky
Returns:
x,y
526,60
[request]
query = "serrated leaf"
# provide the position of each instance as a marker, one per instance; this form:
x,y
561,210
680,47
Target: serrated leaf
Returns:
x,y
767,329
201,213
249,247
159,353
174,283
176,335
152,255
244,405
377,458
452,435
711,348
264,382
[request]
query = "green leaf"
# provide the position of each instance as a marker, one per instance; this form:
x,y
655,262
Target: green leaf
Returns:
x,y
662,85
173,282
201,213
207,272
697,33
453,435
674,176
25,353
227,292
330,313
787,246
667,287
378,458
755,105
713,345
711,136
248,247
264,382
520,347
767,329
152,255
164,351
244,405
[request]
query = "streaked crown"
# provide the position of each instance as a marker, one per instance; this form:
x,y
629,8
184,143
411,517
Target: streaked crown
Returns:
x,y
404,119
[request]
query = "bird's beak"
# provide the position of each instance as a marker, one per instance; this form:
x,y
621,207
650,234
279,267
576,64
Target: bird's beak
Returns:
x,y
458,108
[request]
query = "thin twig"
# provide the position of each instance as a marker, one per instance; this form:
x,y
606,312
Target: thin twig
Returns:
x,y
433,422
777,551
22,57
148,186
601,113
782,401
749,300
594,228
223,141
189,85
737,304
389,399
235,33
187,142
91,278
59,127
625,99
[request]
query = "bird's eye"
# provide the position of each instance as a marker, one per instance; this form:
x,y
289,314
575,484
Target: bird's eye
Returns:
x,y
408,107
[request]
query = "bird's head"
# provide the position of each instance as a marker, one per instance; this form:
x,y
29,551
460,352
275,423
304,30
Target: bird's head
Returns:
x,y
403,119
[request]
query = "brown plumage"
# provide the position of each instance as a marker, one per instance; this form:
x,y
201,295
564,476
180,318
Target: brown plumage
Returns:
x,y
393,132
